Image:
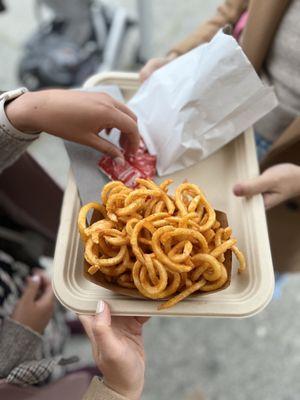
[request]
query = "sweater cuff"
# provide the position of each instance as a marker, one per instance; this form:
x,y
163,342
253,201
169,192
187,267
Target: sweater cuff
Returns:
x,y
12,141
98,390
18,344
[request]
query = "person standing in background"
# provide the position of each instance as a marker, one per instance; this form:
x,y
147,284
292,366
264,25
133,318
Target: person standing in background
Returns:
x,y
269,34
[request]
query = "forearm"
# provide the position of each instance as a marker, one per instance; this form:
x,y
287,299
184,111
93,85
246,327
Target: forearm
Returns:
x,y
228,13
263,20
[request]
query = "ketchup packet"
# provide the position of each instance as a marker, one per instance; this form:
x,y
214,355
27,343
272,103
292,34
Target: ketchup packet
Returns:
x,y
140,165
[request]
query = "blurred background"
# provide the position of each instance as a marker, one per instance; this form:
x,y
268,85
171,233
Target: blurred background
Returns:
x,y
61,43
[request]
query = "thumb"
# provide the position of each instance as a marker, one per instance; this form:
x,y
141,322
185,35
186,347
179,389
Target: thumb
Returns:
x,y
32,288
102,331
96,323
102,319
254,186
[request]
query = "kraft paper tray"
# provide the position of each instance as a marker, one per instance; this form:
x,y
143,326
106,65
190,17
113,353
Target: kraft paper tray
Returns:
x,y
247,294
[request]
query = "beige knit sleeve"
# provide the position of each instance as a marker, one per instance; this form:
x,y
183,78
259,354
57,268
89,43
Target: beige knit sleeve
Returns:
x,y
12,141
99,391
228,12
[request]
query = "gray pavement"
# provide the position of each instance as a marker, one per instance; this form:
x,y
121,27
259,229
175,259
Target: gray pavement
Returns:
x,y
256,358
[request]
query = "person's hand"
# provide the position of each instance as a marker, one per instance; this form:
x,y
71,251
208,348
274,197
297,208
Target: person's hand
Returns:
x,y
76,116
155,63
35,307
277,184
118,350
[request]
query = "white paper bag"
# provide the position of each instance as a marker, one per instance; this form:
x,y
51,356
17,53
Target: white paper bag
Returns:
x,y
198,103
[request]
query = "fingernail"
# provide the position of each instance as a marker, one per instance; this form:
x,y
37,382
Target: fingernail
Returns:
x,y
119,161
100,307
36,278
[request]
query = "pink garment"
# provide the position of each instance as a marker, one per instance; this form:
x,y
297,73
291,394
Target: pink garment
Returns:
x,y
240,25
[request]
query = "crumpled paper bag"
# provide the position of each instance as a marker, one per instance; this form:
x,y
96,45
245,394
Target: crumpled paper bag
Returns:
x,y
198,103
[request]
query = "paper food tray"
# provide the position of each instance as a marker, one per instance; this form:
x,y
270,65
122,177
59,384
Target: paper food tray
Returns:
x,y
247,294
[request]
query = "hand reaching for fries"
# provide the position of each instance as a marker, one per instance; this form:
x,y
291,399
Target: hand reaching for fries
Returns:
x,y
277,184
118,350
76,116
35,307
